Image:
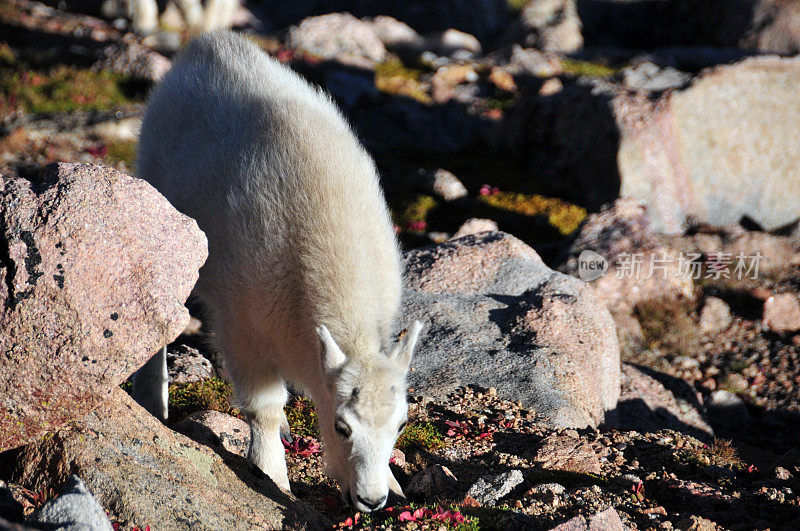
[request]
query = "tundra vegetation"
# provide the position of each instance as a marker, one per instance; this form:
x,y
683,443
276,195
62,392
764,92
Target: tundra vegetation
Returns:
x,y
558,110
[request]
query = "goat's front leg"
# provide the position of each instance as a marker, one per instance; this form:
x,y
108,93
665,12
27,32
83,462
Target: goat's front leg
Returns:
x,y
267,421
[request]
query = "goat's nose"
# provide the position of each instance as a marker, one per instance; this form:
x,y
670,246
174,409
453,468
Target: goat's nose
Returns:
x,y
371,504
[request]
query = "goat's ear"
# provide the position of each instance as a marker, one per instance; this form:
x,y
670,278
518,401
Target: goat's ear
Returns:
x,y
332,355
401,355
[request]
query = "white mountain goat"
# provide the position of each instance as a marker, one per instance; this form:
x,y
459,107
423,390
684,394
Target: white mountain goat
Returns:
x,y
303,277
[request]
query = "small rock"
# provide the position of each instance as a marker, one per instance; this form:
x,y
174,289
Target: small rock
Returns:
x,y
395,34
649,77
475,226
532,62
438,237
489,489
450,42
628,481
620,230
715,316
398,458
727,407
432,481
502,79
544,488
133,60
562,452
441,183
551,86
685,363
186,364
782,313
607,520
735,382
782,474
339,37
124,129
74,509
216,429
696,523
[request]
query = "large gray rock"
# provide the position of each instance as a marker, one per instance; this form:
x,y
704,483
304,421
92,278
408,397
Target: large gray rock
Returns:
x,y
75,509
151,475
724,148
721,149
96,268
495,315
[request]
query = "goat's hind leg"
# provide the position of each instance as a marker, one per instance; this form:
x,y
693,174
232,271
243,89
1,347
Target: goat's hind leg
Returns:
x,y
151,385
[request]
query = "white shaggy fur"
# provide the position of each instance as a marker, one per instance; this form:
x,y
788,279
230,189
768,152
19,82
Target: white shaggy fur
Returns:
x,y
303,276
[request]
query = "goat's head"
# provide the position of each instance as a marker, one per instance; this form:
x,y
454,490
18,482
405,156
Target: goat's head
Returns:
x,y
367,410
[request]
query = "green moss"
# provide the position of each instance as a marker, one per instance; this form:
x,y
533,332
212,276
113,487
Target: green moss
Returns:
x,y
413,208
395,68
419,435
7,55
667,325
393,77
302,417
212,393
501,102
562,216
517,5
122,151
577,67
62,89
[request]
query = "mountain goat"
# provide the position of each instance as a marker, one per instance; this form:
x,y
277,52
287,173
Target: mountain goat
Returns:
x,y
303,277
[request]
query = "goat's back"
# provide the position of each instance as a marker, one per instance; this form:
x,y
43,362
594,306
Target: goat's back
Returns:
x,y
288,198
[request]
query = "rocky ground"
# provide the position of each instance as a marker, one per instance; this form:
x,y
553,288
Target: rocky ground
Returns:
x,y
531,118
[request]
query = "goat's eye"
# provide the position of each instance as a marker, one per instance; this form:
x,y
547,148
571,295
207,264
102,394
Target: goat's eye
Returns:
x,y
402,427
342,428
